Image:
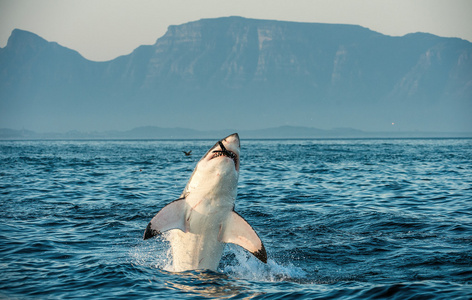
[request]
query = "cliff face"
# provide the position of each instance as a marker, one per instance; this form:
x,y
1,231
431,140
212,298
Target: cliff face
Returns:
x,y
29,62
241,72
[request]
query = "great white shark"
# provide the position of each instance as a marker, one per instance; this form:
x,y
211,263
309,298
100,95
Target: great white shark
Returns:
x,y
204,214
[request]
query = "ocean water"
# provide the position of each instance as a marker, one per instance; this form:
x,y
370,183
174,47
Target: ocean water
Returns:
x,y
343,219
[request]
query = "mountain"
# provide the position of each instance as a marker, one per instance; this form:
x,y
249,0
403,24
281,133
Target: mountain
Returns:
x,y
243,73
280,132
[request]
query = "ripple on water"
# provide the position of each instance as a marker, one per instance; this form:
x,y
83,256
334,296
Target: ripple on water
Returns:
x,y
359,219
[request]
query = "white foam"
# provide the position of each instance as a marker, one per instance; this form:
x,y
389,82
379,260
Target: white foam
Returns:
x,y
246,266
156,253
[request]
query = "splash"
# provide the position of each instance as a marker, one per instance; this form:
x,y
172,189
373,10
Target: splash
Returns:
x,y
236,262
240,264
154,253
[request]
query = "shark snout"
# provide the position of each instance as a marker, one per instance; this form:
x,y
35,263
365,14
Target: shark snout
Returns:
x,y
228,147
233,139
231,144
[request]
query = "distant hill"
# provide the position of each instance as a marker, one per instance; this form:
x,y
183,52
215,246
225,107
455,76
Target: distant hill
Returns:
x,y
282,132
243,73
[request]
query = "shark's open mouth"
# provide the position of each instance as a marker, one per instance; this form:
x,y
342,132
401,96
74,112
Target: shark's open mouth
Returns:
x,y
225,152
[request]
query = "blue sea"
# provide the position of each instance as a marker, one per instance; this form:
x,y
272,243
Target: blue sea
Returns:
x,y
340,219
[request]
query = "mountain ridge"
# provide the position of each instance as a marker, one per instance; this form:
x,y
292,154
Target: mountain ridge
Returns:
x,y
244,73
280,132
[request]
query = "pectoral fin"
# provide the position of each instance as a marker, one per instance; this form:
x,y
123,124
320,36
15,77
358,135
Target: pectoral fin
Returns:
x,y
238,231
172,216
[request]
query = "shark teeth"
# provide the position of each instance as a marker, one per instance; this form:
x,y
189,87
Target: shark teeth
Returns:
x,y
226,153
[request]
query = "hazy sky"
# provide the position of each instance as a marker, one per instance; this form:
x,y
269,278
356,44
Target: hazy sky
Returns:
x,y
105,29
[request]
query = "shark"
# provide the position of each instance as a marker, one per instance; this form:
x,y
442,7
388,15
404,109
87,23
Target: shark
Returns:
x,y
203,220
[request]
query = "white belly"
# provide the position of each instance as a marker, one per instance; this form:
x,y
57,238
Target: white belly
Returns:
x,y
195,251
200,247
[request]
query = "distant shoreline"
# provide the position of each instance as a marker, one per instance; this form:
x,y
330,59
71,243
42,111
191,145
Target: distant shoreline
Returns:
x,y
275,133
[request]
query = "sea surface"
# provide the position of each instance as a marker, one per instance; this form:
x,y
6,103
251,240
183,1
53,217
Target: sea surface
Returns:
x,y
341,219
